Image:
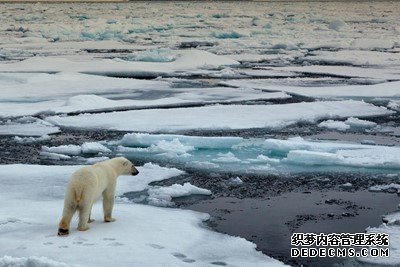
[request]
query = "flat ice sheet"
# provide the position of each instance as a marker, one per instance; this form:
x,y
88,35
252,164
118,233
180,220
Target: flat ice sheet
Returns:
x,y
24,94
220,116
389,89
186,60
142,235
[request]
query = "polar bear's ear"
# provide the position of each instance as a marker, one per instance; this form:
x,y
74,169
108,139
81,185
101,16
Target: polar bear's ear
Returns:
x,y
126,163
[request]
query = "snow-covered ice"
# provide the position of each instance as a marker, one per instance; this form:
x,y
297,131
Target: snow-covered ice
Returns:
x,y
34,196
220,116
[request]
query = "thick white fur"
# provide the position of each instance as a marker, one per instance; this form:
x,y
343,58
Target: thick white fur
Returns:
x,y
87,185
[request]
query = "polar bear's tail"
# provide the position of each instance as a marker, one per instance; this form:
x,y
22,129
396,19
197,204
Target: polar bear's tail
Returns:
x,y
78,194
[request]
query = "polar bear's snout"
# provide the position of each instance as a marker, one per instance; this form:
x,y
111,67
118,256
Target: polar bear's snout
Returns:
x,y
134,171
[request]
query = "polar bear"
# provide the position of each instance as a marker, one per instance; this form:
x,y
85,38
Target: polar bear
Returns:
x,y
87,185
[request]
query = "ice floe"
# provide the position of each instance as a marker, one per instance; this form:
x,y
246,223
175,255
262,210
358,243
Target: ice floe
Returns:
x,y
388,89
33,93
162,196
256,154
34,196
220,116
350,123
185,60
28,127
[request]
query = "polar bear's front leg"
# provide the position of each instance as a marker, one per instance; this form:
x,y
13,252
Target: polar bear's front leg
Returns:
x,y
108,204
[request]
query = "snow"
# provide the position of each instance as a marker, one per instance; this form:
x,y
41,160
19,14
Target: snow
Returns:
x,y
162,196
32,261
220,116
32,190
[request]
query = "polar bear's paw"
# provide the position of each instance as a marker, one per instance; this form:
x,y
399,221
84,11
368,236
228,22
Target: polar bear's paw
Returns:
x,y
109,219
63,232
83,228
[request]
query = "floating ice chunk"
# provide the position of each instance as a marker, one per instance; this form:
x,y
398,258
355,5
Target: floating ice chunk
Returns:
x,y
226,157
347,124
70,150
390,188
146,140
162,196
202,165
174,146
335,125
28,140
355,122
148,173
383,157
94,148
298,143
266,159
346,185
53,156
95,160
234,181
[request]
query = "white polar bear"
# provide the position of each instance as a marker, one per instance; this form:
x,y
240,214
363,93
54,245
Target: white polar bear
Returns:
x,y
87,185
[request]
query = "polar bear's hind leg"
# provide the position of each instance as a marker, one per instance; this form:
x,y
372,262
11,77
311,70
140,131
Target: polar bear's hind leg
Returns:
x,y
68,213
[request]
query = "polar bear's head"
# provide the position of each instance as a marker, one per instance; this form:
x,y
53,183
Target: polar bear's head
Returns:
x,y
126,166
